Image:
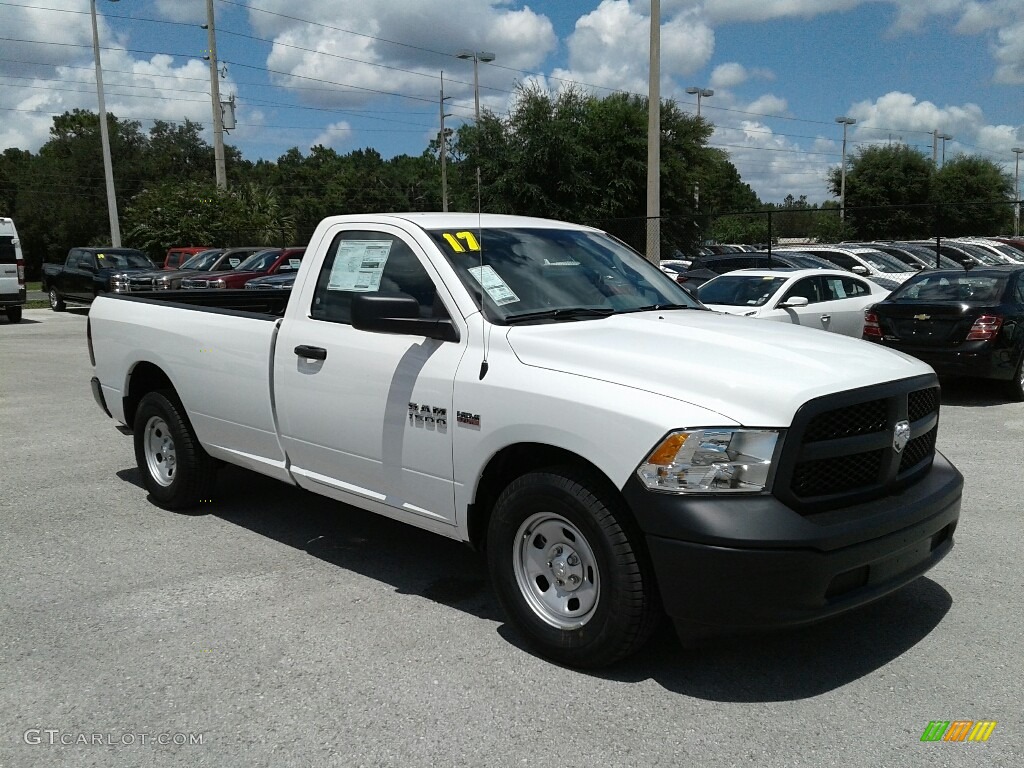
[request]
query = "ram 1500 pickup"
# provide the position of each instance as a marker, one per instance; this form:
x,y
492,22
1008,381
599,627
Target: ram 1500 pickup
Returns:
x,y
540,391
89,272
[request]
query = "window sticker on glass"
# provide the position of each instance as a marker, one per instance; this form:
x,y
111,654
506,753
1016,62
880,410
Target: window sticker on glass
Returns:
x,y
294,263
491,282
101,256
234,262
358,265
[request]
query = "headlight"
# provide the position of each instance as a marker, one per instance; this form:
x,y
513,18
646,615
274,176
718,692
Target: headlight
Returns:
x,y
162,284
216,283
711,461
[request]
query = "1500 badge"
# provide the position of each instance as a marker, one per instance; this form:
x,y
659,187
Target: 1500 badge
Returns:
x,y
424,415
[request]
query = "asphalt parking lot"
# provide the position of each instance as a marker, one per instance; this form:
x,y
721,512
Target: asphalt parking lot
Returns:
x,y
279,628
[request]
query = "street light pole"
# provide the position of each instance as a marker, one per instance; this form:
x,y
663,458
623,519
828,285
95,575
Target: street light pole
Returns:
x,y
218,117
108,169
1016,191
845,122
653,251
477,57
944,137
700,93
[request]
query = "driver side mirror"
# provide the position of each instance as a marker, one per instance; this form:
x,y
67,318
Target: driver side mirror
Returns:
x,y
859,270
795,301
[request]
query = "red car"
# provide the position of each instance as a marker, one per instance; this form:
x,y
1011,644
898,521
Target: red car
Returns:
x,y
272,261
176,256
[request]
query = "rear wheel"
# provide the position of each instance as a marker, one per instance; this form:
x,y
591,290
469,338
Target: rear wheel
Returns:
x,y
569,568
14,314
175,469
56,302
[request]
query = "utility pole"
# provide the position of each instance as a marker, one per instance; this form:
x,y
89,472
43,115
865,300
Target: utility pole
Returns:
x,y
218,117
1016,191
108,168
654,139
845,122
444,150
935,147
700,93
944,137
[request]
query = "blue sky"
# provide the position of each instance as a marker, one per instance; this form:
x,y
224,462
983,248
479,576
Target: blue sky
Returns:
x,y
353,74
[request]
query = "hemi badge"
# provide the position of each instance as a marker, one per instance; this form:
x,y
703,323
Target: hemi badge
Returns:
x,y
922,317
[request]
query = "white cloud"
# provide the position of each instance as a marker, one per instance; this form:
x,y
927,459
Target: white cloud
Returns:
x,y
180,10
334,136
610,47
768,104
1009,54
365,64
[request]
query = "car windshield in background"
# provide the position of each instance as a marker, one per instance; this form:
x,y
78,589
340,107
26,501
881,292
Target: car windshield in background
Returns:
x,y
260,261
740,290
928,255
807,260
560,274
927,287
123,259
985,257
202,261
883,262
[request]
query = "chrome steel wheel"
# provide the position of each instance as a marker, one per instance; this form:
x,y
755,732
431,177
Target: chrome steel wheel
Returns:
x,y
556,571
161,459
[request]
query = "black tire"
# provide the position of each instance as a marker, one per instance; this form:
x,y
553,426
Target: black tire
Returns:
x,y
14,314
1015,386
56,302
527,526
175,469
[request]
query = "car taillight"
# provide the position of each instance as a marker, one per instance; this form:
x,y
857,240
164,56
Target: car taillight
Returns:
x,y
21,272
985,327
871,327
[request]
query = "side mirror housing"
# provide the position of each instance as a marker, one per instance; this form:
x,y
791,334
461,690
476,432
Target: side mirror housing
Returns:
x,y
385,312
859,270
794,301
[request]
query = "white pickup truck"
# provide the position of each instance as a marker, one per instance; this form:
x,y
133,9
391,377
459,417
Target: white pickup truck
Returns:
x,y
540,391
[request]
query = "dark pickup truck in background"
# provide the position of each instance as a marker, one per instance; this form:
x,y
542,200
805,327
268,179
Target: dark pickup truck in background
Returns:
x,y
88,272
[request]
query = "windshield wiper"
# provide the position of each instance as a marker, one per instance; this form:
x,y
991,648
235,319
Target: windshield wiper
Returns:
x,y
651,307
566,313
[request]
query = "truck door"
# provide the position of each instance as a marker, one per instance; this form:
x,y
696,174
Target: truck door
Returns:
x,y
369,415
76,274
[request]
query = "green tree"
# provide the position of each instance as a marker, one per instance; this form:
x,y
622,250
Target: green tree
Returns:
x,y
887,192
973,194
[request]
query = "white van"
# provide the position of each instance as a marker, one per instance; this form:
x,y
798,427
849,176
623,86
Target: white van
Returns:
x,y
12,271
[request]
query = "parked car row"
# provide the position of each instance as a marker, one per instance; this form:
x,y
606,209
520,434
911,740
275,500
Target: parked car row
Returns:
x,y
89,272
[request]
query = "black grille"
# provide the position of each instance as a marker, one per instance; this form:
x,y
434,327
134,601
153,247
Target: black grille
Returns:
x,y
922,402
840,449
918,449
822,477
859,419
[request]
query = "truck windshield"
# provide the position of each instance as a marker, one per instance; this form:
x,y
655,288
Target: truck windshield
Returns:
x,y
202,261
260,261
123,259
556,274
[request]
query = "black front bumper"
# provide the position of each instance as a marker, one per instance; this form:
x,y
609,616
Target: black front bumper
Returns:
x,y
740,563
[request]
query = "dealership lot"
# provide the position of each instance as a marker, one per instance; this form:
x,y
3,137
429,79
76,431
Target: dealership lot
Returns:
x,y
286,629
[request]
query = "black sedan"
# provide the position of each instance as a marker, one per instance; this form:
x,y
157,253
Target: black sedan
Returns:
x,y
960,323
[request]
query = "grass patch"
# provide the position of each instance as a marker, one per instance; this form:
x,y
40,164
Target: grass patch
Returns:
x,y
36,305
37,286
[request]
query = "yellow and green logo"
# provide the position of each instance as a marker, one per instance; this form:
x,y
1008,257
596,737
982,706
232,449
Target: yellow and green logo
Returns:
x,y
958,730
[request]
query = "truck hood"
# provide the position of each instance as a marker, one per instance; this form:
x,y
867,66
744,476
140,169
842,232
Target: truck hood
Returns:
x,y
751,371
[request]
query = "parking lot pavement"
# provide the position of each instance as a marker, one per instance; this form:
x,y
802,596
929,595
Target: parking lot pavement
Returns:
x,y
279,628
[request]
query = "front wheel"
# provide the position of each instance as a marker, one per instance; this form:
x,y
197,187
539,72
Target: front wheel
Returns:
x,y
569,568
56,302
175,469
1015,386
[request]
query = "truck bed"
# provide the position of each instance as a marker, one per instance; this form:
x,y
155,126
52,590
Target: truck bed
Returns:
x,y
269,303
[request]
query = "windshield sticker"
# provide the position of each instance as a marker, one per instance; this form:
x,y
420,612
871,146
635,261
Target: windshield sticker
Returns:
x,y
100,256
358,265
234,262
496,288
294,263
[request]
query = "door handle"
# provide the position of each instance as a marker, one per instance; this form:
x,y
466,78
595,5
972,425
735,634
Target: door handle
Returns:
x,y
826,318
311,353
